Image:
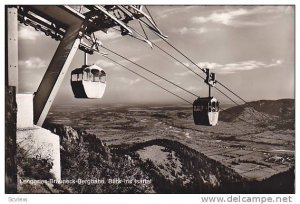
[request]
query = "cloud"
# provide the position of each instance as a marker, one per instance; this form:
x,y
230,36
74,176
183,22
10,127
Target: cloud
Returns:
x,y
272,10
28,33
172,10
104,63
238,66
110,35
168,11
33,63
185,30
246,16
185,63
133,59
225,18
29,85
182,74
193,88
157,40
128,81
187,73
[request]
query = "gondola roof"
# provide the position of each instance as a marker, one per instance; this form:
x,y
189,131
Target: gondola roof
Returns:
x,y
84,67
204,100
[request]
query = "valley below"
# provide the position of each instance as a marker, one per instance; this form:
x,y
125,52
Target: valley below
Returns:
x,y
251,150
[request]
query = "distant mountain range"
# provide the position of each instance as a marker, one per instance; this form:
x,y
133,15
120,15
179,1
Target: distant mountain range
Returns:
x,y
283,109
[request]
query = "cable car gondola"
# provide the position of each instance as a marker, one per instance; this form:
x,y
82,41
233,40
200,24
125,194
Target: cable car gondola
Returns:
x,y
88,81
206,109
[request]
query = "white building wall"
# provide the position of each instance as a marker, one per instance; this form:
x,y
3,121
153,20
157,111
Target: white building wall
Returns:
x,y
36,141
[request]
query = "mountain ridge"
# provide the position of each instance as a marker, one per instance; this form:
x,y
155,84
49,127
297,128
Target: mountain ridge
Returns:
x,y
263,109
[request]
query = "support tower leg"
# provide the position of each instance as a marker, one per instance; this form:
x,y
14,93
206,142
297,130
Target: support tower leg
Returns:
x,y
11,87
55,73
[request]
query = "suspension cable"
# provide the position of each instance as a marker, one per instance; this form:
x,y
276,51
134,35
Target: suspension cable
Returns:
x,y
198,66
240,98
177,60
150,71
176,95
226,96
234,103
237,105
202,69
231,91
156,84
150,16
143,30
237,118
167,81
173,82
198,75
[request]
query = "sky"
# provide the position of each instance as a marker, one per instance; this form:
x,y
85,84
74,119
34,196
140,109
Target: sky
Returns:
x,y
250,48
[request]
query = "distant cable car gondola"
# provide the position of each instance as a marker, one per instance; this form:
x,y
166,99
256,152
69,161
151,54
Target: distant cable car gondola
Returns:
x,y
206,109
